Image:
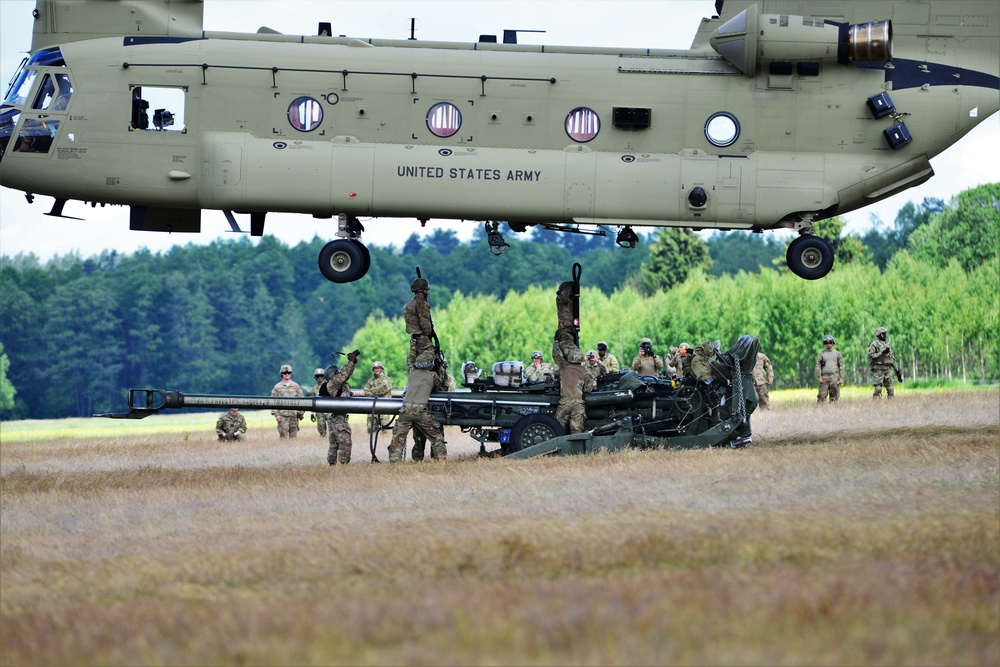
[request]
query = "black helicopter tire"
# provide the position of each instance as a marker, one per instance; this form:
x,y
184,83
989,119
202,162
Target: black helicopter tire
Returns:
x,y
365,253
533,429
343,261
810,257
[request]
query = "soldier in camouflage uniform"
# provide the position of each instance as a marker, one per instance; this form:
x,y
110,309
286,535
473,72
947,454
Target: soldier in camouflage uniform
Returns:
x,y
609,360
882,361
647,363
829,371
340,427
379,386
595,368
417,316
288,420
231,425
573,382
442,382
320,418
763,375
537,370
415,414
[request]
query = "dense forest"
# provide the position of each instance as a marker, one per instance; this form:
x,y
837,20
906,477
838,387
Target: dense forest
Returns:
x,y
76,332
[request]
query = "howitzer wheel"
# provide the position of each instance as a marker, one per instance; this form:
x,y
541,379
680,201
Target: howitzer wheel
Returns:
x,y
687,402
533,429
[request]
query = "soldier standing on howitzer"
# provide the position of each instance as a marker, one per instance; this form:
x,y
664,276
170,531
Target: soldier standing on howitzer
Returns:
x,y
379,386
647,363
537,370
417,316
763,375
340,427
882,363
829,371
288,420
609,360
574,379
321,418
415,413
231,425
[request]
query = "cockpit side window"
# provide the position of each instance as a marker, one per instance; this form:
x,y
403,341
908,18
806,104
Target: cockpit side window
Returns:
x,y
54,93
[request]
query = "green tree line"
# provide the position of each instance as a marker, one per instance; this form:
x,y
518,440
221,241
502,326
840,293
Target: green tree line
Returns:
x,y
221,318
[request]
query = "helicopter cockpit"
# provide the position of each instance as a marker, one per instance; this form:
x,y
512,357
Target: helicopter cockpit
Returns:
x,y
41,113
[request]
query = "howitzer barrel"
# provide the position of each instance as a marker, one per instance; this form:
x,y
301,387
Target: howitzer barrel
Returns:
x,y
145,402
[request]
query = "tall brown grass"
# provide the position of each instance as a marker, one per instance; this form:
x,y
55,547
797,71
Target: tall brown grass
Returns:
x,y
861,533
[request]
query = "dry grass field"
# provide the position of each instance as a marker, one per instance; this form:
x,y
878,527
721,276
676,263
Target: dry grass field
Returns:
x,y
858,534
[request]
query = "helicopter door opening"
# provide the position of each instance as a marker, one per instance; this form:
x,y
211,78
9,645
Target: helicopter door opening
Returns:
x,y
158,109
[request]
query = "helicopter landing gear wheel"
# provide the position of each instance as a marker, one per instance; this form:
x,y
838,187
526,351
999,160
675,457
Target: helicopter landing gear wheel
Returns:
x,y
344,261
810,257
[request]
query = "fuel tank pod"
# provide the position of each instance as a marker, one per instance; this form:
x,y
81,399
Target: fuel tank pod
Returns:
x,y
751,38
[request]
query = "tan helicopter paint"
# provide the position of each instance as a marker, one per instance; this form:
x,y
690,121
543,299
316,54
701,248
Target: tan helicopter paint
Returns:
x,y
808,145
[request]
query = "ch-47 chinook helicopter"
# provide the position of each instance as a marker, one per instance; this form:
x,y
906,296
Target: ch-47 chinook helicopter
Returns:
x,y
782,113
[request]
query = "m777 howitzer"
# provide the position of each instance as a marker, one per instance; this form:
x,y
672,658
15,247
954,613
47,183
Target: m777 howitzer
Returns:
x,y
626,410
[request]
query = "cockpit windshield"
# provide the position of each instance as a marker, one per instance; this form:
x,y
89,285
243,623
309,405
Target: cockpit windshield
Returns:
x,y
20,85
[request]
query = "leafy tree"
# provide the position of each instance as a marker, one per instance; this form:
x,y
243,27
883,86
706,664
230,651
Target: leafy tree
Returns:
x,y
674,253
967,230
909,218
7,390
847,248
732,252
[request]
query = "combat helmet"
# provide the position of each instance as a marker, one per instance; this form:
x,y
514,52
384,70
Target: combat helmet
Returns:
x,y
319,372
537,354
880,330
419,284
377,364
828,339
285,368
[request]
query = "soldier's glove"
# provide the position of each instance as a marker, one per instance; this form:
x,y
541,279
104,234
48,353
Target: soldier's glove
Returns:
x,y
312,417
888,349
353,356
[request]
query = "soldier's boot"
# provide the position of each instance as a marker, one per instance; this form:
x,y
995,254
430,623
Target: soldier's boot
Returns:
x,y
395,452
878,391
331,456
439,450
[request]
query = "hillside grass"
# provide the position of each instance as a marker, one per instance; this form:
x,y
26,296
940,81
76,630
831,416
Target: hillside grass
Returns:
x,y
866,532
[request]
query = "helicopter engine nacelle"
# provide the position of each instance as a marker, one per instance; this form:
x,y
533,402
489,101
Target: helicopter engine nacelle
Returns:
x,y
750,38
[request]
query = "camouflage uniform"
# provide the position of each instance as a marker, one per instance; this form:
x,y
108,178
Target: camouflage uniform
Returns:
x,y
564,342
763,375
881,360
442,382
340,427
609,360
595,368
573,382
230,426
417,316
541,373
415,414
829,373
319,418
288,426
701,366
379,386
